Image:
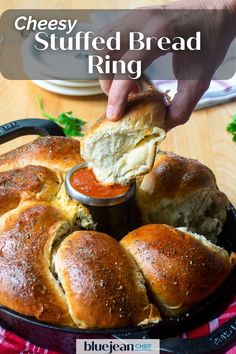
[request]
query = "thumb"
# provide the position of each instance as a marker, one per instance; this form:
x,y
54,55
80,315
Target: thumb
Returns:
x,y
188,94
117,97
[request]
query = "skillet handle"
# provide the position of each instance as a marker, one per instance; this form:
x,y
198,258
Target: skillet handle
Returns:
x,y
29,126
217,342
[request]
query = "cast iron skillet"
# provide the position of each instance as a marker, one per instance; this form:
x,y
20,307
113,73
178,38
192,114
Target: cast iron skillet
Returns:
x,y
63,339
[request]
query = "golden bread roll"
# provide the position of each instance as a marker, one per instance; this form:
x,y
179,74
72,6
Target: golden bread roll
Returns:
x,y
119,151
102,283
87,279
21,182
27,183
180,268
54,152
27,284
182,192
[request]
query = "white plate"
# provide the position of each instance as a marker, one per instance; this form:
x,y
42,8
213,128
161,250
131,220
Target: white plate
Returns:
x,y
56,64
33,73
75,83
68,91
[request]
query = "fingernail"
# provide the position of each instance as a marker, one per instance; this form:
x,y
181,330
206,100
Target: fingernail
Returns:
x,y
110,111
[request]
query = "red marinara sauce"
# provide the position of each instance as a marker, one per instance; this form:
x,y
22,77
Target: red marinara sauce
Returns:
x,y
84,181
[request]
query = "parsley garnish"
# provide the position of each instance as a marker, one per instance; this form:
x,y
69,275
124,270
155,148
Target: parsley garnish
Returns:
x,y
231,128
70,124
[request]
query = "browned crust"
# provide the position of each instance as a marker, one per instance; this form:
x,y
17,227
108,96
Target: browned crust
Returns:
x,y
8,200
179,270
100,281
175,176
27,183
139,105
54,152
27,285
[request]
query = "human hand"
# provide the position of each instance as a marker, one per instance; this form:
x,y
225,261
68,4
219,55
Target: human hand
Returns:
x,y
219,30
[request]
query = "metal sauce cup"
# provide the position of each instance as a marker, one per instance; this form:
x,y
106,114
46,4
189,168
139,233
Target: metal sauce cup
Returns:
x,y
115,216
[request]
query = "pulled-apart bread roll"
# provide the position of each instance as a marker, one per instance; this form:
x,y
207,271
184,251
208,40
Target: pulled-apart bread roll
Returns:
x,y
55,152
180,268
26,283
182,192
119,151
102,283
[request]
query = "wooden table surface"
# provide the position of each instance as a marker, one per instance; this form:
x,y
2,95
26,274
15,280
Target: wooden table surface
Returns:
x,y
204,137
